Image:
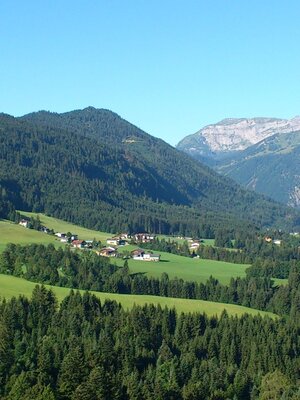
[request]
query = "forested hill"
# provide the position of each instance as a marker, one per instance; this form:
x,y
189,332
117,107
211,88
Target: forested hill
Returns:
x,y
98,123
130,181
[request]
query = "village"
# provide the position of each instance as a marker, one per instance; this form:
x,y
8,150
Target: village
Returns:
x,y
112,244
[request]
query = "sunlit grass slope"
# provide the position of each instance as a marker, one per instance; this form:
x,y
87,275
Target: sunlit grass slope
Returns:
x,y
189,269
59,225
13,233
11,286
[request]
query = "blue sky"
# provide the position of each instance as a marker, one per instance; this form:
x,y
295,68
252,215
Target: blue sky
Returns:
x,y
168,66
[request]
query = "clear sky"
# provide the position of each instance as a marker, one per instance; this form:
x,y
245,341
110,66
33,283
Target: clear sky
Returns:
x,y
168,66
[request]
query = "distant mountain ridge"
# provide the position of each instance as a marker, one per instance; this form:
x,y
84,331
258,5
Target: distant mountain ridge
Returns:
x,y
261,154
233,135
271,167
94,168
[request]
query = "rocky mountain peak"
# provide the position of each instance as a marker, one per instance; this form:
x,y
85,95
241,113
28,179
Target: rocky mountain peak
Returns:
x,y
234,134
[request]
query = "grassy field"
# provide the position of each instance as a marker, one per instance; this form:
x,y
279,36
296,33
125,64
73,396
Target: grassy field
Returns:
x,y
190,269
280,282
11,286
12,233
183,267
62,226
205,242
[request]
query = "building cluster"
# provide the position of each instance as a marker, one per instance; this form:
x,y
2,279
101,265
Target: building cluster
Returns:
x,y
112,243
122,240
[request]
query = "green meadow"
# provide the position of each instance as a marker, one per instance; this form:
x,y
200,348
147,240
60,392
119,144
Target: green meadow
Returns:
x,y
280,282
13,233
205,242
11,286
189,269
59,225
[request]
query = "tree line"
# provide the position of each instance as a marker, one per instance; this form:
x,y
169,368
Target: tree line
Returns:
x,y
86,270
86,350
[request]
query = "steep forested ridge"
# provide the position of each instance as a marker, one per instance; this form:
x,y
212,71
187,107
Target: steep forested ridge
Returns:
x,y
93,168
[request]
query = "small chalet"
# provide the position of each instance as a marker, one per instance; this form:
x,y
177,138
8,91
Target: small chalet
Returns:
x,y
60,235
89,244
124,236
79,244
116,241
195,244
143,256
268,239
144,237
107,252
24,223
45,229
277,242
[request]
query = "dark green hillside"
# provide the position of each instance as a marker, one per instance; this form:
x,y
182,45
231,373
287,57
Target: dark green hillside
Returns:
x,y
92,122
193,181
271,167
131,181
197,184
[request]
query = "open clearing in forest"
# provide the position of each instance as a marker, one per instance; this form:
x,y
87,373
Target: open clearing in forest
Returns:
x,y
11,286
189,269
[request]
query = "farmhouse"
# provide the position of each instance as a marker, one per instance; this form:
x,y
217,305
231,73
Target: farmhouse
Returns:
x,y
124,236
195,244
44,229
79,244
60,235
143,256
107,252
24,223
144,237
89,244
116,241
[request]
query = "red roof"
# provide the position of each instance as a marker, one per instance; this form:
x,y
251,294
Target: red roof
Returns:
x,y
75,242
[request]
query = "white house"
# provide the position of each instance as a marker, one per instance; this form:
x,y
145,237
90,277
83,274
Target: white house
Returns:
x,y
114,241
143,256
24,223
60,235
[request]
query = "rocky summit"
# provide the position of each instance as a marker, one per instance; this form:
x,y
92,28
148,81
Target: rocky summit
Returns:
x,y
233,135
